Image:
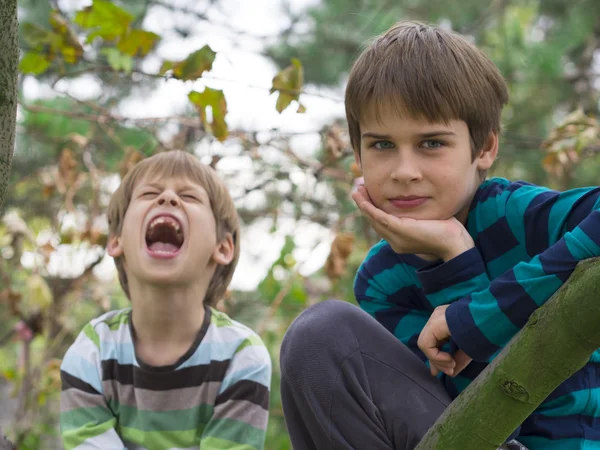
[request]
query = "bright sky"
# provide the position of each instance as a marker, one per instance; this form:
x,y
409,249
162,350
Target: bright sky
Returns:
x,y
245,76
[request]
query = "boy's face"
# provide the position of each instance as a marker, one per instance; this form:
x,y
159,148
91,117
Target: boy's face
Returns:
x,y
169,234
413,168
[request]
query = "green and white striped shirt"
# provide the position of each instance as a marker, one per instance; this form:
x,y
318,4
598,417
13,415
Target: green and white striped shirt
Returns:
x,y
215,396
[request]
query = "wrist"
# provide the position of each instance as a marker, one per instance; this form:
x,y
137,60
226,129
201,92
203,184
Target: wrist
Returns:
x,y
456,249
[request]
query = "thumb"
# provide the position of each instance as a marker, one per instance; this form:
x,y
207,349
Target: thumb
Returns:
x,y
462,360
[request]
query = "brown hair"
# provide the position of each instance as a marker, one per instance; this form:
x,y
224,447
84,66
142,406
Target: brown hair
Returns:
x,y
181,165
430,73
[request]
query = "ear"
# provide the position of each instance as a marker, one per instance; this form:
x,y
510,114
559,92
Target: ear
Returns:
x,y
114,247
223,253
489,152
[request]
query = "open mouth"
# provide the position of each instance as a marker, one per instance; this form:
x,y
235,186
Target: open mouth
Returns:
x,y
164,236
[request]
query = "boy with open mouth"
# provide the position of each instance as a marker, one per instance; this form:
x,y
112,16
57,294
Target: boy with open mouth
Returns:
x,y
171,372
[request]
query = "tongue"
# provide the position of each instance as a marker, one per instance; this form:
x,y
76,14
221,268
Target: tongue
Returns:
x,y
163,247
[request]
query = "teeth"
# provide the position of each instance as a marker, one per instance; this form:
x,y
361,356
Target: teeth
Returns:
x,y
165,220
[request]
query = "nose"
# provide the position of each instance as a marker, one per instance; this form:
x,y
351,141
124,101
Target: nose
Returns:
x,y
168,197
406,168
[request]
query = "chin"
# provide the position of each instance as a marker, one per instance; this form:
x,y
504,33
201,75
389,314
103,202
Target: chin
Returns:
x,y
158,278
416,215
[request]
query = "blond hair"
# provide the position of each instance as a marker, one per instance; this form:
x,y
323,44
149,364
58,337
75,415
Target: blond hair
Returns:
x,y
429,73
179,164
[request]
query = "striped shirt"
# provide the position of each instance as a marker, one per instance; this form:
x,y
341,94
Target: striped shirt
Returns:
x,y
528,240
215,397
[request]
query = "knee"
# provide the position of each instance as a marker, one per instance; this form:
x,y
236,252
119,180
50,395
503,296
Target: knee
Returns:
x,y
322,333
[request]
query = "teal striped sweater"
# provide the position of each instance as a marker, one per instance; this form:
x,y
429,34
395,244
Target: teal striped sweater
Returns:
x,y
215,397
528,240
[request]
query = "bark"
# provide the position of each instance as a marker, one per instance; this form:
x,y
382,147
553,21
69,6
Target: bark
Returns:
x,y
5,444
9,59
557,341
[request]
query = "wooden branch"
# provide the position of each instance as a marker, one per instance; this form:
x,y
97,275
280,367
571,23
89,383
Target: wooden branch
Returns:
x,y
557,341
5,444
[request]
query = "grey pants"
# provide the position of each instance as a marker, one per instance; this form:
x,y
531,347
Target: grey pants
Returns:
x,y
348,383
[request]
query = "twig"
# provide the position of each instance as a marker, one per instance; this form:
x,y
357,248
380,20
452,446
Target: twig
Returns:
x,y
276,304
204,17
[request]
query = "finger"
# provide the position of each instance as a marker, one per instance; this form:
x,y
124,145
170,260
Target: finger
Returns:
x,y
462,360
359,198
433,369
365,193
368,210
429,344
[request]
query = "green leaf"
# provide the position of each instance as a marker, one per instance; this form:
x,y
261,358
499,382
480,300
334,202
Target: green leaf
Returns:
x,y
33,63
108,20
289,83
66,41
117,60
166,66
216,100
138,41
38,292
193,66
61,40
36,36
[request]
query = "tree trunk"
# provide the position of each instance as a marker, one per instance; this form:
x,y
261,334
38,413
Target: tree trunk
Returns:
x,y
9,59
556,342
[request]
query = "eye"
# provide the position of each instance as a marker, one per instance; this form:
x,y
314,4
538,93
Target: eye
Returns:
x,y
191,197
383,145
148,193
432,143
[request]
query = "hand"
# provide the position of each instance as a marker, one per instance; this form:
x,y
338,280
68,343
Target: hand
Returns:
x,y
433,336
445,239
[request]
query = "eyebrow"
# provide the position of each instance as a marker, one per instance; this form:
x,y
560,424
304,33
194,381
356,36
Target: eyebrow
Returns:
x,y
429,134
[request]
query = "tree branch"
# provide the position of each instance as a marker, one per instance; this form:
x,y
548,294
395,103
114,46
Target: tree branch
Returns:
x,y
558,340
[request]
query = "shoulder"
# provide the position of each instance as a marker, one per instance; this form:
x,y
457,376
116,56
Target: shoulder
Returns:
x,y
383,270
500,190
497,189
242,342
497,197
101,331
108,326
83,359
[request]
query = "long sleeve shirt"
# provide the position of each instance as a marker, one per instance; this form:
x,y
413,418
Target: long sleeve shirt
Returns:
x,y
528,240
215,397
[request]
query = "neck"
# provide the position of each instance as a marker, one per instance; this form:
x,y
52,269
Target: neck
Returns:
x,y
166,316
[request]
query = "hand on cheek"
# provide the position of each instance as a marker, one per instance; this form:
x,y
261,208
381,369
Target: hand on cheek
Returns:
x,y
443,239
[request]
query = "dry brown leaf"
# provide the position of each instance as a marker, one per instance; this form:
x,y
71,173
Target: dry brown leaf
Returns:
x,y
67,168
132,157
356,172
335,144
336,262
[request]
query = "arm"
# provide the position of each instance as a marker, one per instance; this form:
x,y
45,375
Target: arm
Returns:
x,y
564,228
86,421
385,290
241,412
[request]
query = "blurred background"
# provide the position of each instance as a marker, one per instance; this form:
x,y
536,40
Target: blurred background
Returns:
x,y
255,89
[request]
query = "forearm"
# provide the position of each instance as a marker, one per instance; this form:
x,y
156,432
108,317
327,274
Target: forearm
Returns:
x,y
444,283
481,324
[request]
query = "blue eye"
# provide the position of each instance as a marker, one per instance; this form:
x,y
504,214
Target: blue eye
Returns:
x,y
383,145
432,143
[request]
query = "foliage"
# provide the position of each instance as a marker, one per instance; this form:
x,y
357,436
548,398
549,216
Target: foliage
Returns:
x,y
71,152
